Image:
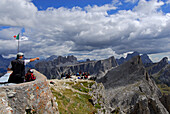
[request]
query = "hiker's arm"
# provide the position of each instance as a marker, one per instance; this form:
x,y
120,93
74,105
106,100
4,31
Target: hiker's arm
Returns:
x,y
33,59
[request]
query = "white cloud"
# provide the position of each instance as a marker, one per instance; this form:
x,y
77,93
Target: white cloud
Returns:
x,y
148,7
17,13
91,31
133,1
158,57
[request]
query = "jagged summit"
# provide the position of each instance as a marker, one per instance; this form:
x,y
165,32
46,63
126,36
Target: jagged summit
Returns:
x,y
129,86
145,58
164,60
130,56
67,60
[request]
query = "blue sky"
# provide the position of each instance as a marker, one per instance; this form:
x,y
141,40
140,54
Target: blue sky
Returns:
x,y
95,29
44,4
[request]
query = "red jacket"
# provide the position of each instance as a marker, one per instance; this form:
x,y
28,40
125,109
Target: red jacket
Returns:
x,y
29,77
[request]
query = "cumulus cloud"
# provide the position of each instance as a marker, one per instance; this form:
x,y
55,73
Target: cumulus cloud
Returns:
x,y
17,13
90,30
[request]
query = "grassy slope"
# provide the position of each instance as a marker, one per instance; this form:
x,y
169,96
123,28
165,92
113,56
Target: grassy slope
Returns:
x,y
74,98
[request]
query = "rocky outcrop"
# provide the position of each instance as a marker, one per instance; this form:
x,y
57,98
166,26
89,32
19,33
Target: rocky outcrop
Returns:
x,y
51,70
129,56
129,89
31,97
145,58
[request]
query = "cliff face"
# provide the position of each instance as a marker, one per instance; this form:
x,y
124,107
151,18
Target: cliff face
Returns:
x,y
129,89
31,97
51,70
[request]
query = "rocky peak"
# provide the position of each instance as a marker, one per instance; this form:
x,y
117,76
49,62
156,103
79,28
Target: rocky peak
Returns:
x,y
129,56
62,60
145,58
164,60
130,89
71,58
156,67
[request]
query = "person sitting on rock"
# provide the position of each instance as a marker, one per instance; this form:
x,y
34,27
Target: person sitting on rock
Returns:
x,y
18,68
29,76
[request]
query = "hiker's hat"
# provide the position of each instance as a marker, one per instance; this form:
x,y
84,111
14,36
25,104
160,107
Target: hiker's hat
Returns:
x,y
20,54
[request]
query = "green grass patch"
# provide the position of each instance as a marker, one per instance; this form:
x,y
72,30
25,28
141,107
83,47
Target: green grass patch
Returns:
x,y
70,102
88,84
79,87
70,83
97,106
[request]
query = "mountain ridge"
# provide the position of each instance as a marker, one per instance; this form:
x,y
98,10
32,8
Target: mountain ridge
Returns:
x,y
53,70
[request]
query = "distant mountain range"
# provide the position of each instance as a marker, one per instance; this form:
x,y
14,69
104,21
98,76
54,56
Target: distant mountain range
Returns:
x,y
69,64
4,62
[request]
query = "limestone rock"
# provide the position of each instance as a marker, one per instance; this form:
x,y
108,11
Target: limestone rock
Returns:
x,y
130,89
145,58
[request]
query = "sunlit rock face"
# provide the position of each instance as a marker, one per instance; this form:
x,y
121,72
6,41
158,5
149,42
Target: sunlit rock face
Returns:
x,y
129,89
